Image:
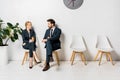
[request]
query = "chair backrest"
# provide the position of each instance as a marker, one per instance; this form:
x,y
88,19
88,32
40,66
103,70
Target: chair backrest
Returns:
x,y
102,42
77,42
37,41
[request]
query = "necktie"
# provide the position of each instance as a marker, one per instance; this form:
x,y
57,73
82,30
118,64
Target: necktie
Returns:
x,y
51,32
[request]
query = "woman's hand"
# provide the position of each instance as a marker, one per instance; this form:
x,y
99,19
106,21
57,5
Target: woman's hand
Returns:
x,y
32,39
24,44
44,40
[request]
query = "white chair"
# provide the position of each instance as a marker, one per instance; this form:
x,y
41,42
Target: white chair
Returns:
x,y
26,54
103,46
78,46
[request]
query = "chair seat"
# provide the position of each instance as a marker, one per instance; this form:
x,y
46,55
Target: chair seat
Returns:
x,y
105,49
26,50
79,49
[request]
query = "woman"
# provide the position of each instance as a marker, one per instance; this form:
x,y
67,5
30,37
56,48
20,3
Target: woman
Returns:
x,y
29,42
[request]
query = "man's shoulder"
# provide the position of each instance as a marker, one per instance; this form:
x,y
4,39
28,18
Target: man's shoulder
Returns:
x,y
57,27
47,29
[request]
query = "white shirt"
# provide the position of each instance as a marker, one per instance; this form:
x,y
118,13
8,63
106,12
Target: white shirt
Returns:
x,y
51,32
53,28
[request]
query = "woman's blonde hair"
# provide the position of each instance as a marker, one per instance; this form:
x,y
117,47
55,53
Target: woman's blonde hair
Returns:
x,y
26,23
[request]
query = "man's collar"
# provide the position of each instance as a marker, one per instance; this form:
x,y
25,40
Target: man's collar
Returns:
x,y
53,28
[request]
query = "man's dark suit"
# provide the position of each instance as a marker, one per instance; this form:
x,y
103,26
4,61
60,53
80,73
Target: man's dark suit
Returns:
x,y
53,42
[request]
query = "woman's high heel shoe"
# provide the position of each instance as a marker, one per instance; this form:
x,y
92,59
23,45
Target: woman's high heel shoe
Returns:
x,y
30,66
37,62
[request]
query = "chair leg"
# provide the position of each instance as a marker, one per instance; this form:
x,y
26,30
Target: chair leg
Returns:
x,y
107,57
57,58
97,55
45,63
110,58
81,56
73,58
100,58
34,60
27,53
84,59
24,58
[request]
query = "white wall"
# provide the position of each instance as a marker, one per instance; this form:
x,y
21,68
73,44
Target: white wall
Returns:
x,y
94,17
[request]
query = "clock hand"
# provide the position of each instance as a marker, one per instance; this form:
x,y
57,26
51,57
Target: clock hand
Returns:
x,y
72,1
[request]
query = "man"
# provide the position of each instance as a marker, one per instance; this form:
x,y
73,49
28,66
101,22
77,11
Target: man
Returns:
x,y
52,41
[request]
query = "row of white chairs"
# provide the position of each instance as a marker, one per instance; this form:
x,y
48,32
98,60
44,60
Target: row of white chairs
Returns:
x,y
78,46
102,45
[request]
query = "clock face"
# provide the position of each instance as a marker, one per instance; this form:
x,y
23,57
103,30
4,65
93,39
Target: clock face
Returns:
x,y
73,4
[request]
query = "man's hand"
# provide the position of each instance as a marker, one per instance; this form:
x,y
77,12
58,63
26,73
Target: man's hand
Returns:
x,y
30,40
48,37
44,40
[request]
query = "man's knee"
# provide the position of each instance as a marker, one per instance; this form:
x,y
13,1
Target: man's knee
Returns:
x,y
48,42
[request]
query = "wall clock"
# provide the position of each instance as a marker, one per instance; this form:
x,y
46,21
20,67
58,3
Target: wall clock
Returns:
x,y
73,4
